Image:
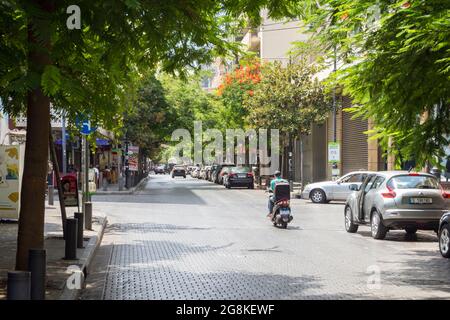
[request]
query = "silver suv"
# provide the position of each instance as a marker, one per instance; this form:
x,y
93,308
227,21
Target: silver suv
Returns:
x,y
396,200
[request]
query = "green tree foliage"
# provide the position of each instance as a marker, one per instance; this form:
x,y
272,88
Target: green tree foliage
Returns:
x,y
398,66
288,98
151,119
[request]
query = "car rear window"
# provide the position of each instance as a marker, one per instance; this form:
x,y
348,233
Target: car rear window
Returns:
x,y
240,169
413,182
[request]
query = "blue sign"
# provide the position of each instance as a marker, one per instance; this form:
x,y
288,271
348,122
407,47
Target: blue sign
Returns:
x,y
84,125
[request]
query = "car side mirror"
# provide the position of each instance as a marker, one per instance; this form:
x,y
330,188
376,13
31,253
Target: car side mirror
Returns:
x,y
353,187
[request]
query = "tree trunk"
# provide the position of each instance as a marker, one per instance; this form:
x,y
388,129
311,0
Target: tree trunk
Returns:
x,y
32,203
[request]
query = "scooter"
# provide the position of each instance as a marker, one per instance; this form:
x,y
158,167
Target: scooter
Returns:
x,y
281,214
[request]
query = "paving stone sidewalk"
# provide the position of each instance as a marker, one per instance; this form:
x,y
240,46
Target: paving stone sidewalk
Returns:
x,y
54,244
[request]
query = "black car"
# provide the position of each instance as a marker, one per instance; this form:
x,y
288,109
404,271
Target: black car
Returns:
x,y
238,177
444,235
179,171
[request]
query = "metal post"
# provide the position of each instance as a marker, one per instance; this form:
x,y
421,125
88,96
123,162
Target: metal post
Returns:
x,y
37,266
80,227
88,215
51,189
18,285
71,239
63,144
127,184
301,164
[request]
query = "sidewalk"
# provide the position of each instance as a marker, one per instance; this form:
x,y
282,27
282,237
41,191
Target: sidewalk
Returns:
x,y
114,188
54,244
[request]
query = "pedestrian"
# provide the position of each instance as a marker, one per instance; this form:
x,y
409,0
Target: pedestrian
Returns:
x,y
97,175
447,168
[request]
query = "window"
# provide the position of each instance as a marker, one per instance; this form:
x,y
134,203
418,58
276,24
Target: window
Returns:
x,y
369,184
355,178
413,182
378,181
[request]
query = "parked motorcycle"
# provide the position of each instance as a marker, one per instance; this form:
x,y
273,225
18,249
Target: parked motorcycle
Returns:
x,y
281,213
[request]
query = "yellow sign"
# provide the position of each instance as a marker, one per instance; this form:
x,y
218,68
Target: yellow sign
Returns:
x,y
10,176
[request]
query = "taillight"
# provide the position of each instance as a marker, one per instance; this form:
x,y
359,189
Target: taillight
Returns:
x,y
445,194
232,175
249,175
413,173
390,194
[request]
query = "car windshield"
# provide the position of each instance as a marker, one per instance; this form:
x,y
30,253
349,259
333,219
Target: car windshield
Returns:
x,y
240,169
413,182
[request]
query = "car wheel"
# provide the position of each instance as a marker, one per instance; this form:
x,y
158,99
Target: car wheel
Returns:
x,y
444,241
251,186
318,196
228,186
349,225
376,224
411,230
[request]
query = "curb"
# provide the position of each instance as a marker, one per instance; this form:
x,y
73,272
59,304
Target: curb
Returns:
x,y
85,262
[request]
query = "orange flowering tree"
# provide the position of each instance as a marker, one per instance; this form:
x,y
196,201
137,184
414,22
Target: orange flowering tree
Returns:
x,y
235,88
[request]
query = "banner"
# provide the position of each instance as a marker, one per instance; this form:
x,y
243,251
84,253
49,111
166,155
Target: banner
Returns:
x,y
70,190
334,154
10,176
133,164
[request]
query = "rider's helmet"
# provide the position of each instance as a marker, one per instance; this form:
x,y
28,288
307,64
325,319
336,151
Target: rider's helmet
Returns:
x,y
277,174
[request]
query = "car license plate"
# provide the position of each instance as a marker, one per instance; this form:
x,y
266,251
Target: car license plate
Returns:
x,y
242,175
420,200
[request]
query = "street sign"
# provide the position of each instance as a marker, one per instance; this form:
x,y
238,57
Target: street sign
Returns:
x,y
334,154
84,125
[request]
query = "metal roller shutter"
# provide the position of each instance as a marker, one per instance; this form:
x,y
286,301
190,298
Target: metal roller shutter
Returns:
x,y
354,141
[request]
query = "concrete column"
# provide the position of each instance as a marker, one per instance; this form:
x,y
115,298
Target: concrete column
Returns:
x,y
391,157
373,150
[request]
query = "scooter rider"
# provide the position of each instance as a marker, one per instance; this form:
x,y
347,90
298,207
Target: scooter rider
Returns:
x,y
277,179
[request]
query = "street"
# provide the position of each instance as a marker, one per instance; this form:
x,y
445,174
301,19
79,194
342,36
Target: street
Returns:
x,y
192,239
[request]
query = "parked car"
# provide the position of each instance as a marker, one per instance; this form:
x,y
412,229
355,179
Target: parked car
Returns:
x,y
238,177
208,172
326,191
444,235
211,172
394,200
216,178
161,169
195,172
178,171
202,173
223,172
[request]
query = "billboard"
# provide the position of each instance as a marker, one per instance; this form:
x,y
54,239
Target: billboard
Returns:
x,y
133,153
11,167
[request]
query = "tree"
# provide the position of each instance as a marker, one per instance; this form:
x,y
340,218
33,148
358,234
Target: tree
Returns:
x,y
93,70
398,67
236,86
289,99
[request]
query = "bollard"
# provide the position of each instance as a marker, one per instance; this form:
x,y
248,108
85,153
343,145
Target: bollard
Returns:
x,y
37,266
80,228
51,189
18,285
71,239
88,215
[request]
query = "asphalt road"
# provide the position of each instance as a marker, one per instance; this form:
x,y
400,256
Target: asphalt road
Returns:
x,y
191,239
